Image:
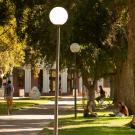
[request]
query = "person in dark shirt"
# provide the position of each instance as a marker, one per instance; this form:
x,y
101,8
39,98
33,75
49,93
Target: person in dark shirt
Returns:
x,y
8,96
102,94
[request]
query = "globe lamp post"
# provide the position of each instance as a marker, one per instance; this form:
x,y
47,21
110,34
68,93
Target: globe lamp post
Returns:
x,y
75,48
58,16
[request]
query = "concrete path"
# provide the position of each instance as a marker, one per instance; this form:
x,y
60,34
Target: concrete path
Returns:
x,y
23,124
31,121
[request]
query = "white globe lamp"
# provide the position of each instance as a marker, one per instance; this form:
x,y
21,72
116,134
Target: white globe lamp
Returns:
x,y
75,47
58,16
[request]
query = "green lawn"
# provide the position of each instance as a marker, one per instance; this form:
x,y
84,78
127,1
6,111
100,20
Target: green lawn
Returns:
x,y
24,103
101,125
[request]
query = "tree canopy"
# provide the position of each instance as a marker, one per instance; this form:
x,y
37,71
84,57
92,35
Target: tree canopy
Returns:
x,y
11,49
91,24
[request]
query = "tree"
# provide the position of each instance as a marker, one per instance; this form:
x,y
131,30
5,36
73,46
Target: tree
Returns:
x,y
127,75
6,13
100,32
91,29
11,50
41,34
118,40
130,83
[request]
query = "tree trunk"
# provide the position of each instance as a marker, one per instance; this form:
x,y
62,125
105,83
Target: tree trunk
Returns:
x,y
120,84
116,87
91,93
112,87
130,91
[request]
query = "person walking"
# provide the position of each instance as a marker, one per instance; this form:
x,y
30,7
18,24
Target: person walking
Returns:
x,y
102,94
8,96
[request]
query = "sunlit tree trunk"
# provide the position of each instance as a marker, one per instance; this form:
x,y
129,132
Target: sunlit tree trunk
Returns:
x,y
90,91
130,91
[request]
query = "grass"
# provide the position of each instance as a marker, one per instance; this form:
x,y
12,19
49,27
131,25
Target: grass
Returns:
x,y
24,103
95,131
106,101
101,125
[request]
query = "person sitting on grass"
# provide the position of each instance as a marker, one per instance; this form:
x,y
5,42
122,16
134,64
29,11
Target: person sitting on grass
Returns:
x,y
132,123
88,111
121,111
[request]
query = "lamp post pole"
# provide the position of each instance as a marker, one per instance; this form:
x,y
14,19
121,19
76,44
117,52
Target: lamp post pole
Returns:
x,y
57,81
75,79
75,48
58,16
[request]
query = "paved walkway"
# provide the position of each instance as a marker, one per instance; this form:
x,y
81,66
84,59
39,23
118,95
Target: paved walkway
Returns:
x,y
31,121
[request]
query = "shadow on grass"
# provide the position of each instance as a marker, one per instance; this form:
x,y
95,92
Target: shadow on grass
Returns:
x,y
69,122
98,131
92,121
92,131
16,106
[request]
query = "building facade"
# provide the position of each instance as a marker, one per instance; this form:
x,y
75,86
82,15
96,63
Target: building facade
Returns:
x,y
23,80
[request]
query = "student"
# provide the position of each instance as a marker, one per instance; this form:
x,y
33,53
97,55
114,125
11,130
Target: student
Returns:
x,y
132,123
8,96
88,111
102,94
122,109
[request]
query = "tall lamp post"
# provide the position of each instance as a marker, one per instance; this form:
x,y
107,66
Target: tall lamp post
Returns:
x,y
75,48
58,16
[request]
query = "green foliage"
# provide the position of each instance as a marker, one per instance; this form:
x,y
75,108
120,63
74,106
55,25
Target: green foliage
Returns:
x,y
11,50
90,30
97,25
3,12
6,11
117,40
115,3
102,35
92,23
41,34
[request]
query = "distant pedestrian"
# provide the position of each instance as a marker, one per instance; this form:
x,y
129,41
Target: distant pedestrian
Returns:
x,y
8,96
102,94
